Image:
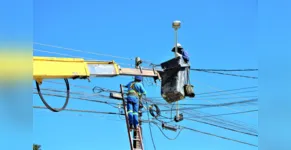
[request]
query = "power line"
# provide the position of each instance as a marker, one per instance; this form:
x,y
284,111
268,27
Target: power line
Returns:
x,y
218,126
221,104
225,69
150,127
221,127
225,138
166,135
228,74
62,91
227,94
85,99
99,54
50,52
224,98
84,111
202,105
215,105
242,112
218,136
227,90
221,98
77,93
221,121
62,54
218,89
76,50
218,120
207,105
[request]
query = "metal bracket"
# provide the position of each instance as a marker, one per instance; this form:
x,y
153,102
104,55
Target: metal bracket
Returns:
x,y
116,95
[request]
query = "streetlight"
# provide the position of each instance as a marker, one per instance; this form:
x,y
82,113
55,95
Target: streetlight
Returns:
x,y
176,25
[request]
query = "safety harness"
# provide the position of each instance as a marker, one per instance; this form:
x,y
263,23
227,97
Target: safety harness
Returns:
x,y
132,91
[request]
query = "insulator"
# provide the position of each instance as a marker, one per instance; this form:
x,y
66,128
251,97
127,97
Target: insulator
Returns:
x,y
180,118
169,127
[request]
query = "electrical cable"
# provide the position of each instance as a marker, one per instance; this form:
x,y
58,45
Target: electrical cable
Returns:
x,y
94,53
151,110
85,99
228,74
77,93
221,98
215,105
242,112
166,135
61,54
47,105
76,50
215,121
223,122
100,89
225,98
74,85
222,127
227,94
87,58
227,90
154,145
120,111
219,89
218,136
85,111
224,69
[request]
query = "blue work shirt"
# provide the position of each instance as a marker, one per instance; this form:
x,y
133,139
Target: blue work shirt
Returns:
x,y
185,56
138,86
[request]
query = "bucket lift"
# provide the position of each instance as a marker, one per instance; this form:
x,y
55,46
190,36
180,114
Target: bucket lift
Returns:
x,y
175,77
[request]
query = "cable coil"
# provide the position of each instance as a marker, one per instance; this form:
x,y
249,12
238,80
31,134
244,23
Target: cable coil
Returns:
x,y
157,110
47,105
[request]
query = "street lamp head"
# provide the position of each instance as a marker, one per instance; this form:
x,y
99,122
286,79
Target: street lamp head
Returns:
x,y
176,24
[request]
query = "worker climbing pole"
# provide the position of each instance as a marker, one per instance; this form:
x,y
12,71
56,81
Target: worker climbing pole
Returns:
x,y
135,138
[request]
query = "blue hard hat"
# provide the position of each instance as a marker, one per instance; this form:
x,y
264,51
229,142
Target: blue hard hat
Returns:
x,y
138,78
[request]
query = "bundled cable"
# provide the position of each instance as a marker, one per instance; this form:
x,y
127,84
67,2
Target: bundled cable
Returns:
x,y
47,105
157,110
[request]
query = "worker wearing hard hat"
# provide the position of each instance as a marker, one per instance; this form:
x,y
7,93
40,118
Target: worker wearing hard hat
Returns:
x,y
181,52
135,92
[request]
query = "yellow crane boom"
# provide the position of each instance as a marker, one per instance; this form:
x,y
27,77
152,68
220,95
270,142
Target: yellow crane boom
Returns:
x,y
78,68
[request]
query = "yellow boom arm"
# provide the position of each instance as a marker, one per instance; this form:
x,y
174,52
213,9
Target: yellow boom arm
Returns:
x,y
61,68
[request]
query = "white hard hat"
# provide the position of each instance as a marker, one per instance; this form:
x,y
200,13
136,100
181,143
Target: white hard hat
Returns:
x,y
179,45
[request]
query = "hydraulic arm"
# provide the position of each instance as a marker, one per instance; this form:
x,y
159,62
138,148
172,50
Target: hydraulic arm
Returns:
x,y
77,68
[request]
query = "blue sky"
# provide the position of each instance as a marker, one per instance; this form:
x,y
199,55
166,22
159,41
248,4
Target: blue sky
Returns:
x,y
217,34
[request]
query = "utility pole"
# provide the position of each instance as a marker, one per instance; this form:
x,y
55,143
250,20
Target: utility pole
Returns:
x,y
176,25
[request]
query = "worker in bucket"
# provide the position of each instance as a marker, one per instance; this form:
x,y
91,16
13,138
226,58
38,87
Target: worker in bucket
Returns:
x,y
135,92
181,52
